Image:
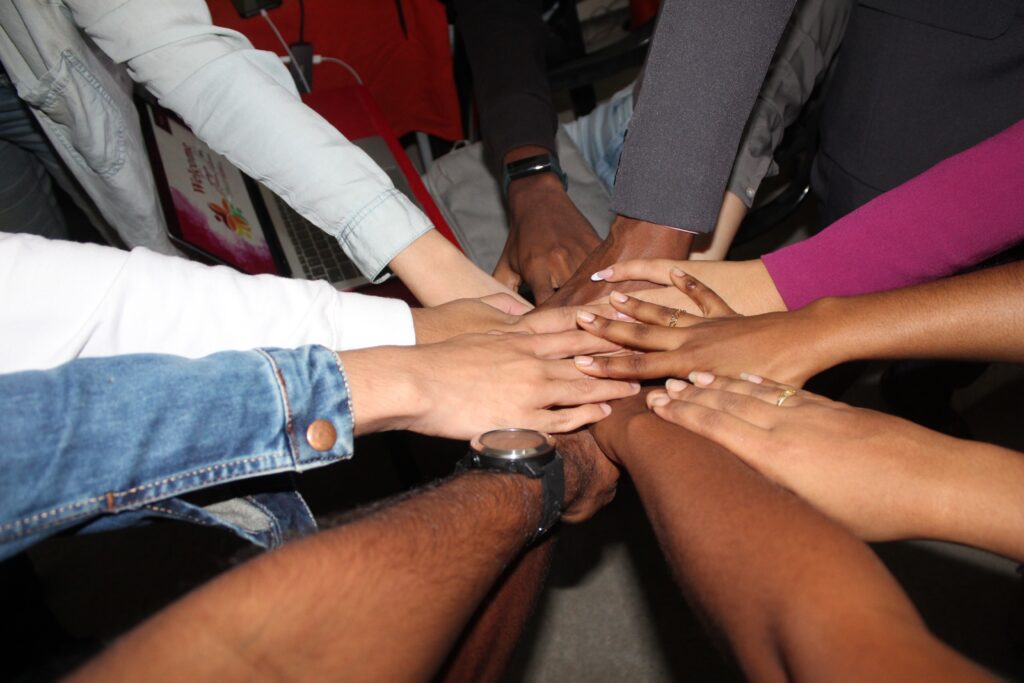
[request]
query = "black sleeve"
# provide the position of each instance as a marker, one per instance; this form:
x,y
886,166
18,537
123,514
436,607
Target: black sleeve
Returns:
x,y
505,44
705,68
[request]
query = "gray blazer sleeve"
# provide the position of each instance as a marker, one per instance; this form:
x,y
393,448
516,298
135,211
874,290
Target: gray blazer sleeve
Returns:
x,y
706,66
801,62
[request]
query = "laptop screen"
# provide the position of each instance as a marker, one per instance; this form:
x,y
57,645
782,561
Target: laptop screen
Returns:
x,y
211,201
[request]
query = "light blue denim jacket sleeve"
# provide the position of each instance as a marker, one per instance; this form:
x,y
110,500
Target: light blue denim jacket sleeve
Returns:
x,y
97,443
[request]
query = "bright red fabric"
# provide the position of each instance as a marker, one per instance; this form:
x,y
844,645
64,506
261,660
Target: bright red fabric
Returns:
x,y
410,77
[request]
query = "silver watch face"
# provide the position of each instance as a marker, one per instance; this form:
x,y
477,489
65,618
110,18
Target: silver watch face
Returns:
x,y
513,444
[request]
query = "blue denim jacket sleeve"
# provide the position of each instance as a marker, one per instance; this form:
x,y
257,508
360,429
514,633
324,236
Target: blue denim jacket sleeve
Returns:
x,y
128,434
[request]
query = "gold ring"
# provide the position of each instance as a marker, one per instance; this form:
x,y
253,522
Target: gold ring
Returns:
x,y
786,393
674,318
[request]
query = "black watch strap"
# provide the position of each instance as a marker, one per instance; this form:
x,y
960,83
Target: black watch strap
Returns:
x,y
524,168
539,461
553,484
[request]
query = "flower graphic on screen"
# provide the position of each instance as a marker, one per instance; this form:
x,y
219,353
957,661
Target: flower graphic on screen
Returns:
x,y
231,216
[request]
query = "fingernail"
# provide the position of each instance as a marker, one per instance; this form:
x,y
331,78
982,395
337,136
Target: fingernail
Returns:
x,y
675,385
655,400
701,378
585,316
635,386
756,379
620,297
625,318
583,361
606,409
678,272
601,275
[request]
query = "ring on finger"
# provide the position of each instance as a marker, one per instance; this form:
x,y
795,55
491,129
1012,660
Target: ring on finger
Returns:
x,y
673,319
784,394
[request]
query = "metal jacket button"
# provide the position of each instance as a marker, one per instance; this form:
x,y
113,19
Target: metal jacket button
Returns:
x,y
321,435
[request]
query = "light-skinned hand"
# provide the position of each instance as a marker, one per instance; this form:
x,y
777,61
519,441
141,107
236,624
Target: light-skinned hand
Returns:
x,y
474,383
494,313
746,285
883,477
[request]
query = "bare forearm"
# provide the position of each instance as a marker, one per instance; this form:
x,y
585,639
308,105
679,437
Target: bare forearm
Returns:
x,y
491,637
977,502
762,565
715,246
436,272
382,598
975,316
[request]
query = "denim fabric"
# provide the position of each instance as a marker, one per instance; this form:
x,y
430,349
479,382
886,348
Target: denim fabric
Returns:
x,y
601,134
104,442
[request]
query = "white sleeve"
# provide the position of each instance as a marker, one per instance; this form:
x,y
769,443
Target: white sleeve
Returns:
x,y
64,300
242,103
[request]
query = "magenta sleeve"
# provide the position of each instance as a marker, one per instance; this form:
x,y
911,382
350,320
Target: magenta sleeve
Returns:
x,y
957,213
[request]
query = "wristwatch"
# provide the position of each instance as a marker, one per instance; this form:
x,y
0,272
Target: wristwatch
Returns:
x,y
524,168
526,452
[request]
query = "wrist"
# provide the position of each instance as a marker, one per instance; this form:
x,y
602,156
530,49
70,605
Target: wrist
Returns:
x,y
545,185
517,500
974,497
823,334
383,393
531,167
642,239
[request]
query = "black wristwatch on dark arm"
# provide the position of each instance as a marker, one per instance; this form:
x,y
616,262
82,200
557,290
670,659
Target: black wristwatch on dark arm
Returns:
x,y
524,168
526,452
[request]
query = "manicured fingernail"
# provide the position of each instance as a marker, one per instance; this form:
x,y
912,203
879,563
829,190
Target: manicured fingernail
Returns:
x,y
625,318
601,275
585,316
620,297
701,378
678,272
606,409
655,400
756,379
583,361
676,385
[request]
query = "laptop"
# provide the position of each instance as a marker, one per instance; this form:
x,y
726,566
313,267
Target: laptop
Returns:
x,y
217,214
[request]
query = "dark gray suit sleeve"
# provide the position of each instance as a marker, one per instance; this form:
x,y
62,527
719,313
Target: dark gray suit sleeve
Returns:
x,y
706,65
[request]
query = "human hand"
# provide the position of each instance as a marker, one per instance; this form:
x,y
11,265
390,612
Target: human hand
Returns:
x,y
613,435
746,285
590,478
474,383
881,476
548,237
783,345
628,239
494,313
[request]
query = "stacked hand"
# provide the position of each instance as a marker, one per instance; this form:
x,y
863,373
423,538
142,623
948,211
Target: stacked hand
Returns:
x,y
716,338
548,237
879,475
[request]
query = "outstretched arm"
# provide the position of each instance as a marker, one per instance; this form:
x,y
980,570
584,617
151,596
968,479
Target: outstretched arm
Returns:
x,y
974,316
882,477
793,595
382,598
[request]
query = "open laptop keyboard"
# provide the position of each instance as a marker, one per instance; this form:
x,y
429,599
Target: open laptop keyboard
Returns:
x,y
319,253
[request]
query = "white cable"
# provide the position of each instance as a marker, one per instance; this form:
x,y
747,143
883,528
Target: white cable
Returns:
x,y
295,62
317,59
